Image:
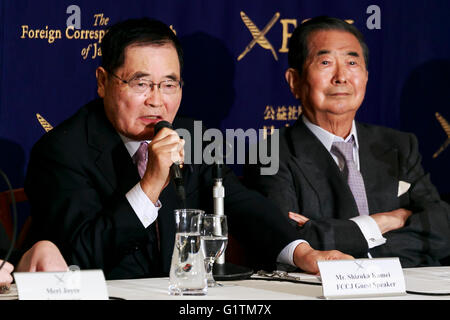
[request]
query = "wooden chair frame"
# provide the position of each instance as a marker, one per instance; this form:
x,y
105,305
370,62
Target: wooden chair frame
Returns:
x,y
6,218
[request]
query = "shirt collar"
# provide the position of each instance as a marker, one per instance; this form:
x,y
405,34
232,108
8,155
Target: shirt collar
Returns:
x,y
131,145
327,138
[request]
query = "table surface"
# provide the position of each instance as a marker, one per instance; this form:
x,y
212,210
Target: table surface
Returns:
x,y
434,280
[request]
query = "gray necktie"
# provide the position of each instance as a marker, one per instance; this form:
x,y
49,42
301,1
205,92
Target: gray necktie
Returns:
x,y
140,158
344,150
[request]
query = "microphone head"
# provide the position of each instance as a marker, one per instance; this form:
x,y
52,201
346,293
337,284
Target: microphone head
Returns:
x,y
162,124
217,171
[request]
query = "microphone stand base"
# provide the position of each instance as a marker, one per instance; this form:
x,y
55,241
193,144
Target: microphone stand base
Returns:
x,y
228,271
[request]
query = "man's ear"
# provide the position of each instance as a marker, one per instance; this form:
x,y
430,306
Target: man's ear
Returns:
x,y
101,76
293,80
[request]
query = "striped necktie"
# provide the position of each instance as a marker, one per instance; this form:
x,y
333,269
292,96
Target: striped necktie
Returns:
x,y
344,150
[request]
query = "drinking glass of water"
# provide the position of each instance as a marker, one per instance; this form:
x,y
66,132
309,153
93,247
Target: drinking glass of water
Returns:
x,y
214,239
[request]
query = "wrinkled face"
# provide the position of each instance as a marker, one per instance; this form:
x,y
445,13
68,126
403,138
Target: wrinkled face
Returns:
x,y
334,76
135,114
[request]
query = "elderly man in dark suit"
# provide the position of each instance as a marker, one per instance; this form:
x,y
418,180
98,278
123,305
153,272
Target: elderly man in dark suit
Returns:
x,y
350,186
99,183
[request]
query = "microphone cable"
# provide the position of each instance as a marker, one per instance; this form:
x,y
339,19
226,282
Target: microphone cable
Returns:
x,y
14,209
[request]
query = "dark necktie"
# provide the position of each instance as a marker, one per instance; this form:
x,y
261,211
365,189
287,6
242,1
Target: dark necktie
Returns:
x,y
344,150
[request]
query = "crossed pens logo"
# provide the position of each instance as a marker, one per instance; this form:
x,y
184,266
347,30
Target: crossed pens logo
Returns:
x,y
446,128
70,279
44,123
259,36
287,27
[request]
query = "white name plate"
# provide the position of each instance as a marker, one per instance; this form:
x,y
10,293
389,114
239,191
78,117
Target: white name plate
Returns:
x,y
362,278
70,285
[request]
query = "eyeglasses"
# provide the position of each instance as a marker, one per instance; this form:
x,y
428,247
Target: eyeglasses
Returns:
x,y
139,85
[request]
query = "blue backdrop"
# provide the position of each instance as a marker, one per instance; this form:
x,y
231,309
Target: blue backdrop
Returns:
x,y
48,71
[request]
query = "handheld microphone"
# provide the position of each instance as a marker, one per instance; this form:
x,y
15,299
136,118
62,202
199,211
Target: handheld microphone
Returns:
x,y
175,168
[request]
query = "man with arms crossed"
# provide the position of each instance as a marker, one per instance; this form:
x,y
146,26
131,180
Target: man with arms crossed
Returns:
x,y
350,186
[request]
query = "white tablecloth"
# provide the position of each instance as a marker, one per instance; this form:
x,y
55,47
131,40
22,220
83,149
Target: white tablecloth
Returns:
x,y
428,280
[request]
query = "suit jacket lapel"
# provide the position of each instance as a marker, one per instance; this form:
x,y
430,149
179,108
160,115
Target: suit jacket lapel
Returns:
x,y
322,173
379,168
112,158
